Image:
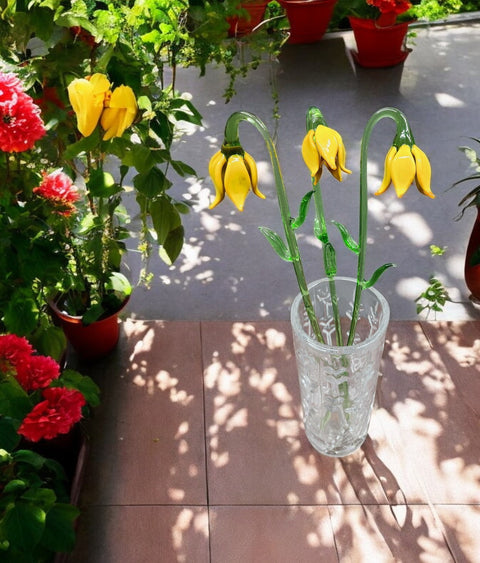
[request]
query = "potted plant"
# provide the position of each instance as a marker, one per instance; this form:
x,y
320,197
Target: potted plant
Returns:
x,y
41,407
38,400
37,519
309,19
31,254
380,28
472,200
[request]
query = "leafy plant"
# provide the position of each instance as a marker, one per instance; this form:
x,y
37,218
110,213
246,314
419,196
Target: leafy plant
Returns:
x,y
435,296
36,518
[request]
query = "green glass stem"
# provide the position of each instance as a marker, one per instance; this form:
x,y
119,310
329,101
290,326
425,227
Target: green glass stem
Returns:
x,y
324,239
232,138
403,135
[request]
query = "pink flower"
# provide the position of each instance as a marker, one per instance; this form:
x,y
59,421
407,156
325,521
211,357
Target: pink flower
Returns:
x,y
20,123
37,373
58,188
61,409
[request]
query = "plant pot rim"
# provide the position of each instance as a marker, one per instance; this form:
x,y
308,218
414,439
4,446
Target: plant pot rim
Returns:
x,y
371,23
77,319
344,350
307,2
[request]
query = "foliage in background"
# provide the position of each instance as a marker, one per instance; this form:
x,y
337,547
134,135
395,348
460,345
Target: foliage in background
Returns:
x,y
435,296
421,9
141,44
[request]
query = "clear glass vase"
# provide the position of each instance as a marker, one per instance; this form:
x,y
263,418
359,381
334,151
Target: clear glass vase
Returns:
x,y
338,383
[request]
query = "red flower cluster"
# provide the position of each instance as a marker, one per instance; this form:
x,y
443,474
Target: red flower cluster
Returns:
x,y
58,188
61,407
388,6
20,123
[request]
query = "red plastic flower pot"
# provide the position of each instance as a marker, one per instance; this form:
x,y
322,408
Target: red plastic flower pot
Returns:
x,y
242,26
93,341
379,46
309,19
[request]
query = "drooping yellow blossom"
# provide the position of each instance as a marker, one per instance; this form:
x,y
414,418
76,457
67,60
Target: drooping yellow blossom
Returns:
x,y
236,176
119,113
87,96
402,167
324,145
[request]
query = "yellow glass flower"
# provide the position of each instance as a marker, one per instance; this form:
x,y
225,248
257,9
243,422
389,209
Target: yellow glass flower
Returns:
x,y
402,167
87,96
119,113
236,176
324,145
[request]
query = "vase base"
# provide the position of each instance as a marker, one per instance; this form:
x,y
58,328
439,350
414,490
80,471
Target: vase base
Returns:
x,y
380,63
341,450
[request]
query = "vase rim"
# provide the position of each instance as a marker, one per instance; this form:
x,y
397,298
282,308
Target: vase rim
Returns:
x,y
297,325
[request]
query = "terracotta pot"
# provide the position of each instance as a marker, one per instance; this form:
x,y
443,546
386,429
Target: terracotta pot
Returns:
x,y
93,341
308,19
379,46
472,260
242,26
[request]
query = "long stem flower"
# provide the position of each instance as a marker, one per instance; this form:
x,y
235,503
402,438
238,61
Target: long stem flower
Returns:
x,y
292,253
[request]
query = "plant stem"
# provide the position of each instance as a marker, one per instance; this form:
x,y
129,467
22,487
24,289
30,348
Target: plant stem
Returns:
x,y
232,138
403,134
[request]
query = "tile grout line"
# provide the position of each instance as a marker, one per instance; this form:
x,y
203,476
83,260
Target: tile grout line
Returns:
x,y
205,448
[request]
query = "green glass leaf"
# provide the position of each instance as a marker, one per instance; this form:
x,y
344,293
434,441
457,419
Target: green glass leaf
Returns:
x,y
303,210
276,243
348,240
378,272
330,260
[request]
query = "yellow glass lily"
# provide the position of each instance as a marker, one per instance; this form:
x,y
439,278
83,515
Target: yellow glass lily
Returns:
x,y
324,145
236,176
87,96
402,167
119,113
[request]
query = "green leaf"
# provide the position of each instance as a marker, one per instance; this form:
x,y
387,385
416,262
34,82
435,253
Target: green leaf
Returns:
x,y
172,246
24,525
59,534
102,184
165,218
303,210
152,183
378,272
72,379
348,240
475,258
14,401
86,144
183,169
9,438
277,244
21,313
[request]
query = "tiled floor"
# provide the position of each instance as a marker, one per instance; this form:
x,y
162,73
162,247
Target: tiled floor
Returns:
x,y
197,453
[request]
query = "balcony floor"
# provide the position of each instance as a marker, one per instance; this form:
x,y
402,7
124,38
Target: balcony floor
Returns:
x,y
197,453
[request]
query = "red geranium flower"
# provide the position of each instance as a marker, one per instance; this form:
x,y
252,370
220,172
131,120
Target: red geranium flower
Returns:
x,y
61,409
14,350
37,372
58,188
385,6
20,123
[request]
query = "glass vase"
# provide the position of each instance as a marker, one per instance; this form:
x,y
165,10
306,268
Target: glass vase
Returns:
x,y
338,383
